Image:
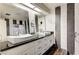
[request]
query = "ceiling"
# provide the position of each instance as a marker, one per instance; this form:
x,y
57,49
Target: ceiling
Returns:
x,y
9,8
12,10
41,6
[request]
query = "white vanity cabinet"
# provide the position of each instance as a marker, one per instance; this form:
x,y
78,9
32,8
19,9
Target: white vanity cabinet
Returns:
x,y
37,47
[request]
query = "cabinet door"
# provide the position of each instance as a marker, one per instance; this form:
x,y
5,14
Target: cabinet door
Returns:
x,y
29,52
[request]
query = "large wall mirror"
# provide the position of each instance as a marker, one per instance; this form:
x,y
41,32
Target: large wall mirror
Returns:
x,y
20,25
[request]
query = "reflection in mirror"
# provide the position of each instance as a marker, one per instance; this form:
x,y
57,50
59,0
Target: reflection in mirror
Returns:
x,y
20,27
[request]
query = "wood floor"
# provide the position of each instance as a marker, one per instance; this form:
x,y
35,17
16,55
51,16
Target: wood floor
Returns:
x,y
54,50
58,52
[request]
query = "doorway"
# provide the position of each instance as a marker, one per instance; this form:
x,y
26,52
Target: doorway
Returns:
x,y
70,28
7,25
58,26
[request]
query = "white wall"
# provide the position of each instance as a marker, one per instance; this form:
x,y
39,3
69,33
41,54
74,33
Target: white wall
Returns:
x,y
32,22
2,30
41,26
50,24
77,28
64,26
50,21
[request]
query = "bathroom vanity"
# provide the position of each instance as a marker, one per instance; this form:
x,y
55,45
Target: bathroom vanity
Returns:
x,y
36,45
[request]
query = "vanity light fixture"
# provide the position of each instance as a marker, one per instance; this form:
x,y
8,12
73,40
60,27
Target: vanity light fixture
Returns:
x,y
32,6
37,9
25,8
29,5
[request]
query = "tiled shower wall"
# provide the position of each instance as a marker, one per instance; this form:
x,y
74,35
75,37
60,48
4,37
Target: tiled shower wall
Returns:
x,y
14,30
